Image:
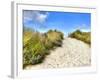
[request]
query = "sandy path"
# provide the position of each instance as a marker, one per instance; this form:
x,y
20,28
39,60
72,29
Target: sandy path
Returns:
x,y
73,53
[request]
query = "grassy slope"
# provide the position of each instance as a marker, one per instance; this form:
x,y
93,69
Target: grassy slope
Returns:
x,y
83,36
37,45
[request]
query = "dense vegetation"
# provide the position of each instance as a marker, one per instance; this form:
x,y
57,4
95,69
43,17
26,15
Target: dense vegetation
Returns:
x,y
83,36
37,45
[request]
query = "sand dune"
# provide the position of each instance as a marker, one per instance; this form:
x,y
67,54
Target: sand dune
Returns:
x,y
73,53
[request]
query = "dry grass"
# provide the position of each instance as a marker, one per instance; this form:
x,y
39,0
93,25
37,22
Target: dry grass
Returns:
x,y
37,45
83,36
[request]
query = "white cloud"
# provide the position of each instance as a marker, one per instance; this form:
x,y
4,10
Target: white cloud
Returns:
x,y
35,16
85,30
41,17
83,27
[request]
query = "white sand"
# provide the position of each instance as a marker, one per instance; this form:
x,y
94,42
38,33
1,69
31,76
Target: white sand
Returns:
x,y
73,53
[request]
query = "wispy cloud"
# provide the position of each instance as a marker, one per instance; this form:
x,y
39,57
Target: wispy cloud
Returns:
x,y
41,17
35,16
83,27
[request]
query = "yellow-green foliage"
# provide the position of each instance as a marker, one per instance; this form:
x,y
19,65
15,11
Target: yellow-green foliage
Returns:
x,y
36,45
55,37
30,50
83,36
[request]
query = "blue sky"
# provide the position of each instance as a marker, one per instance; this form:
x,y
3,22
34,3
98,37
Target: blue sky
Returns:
x,y
66,22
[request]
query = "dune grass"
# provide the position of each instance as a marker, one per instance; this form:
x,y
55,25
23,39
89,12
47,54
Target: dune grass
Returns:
x,y
83,36
37,45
